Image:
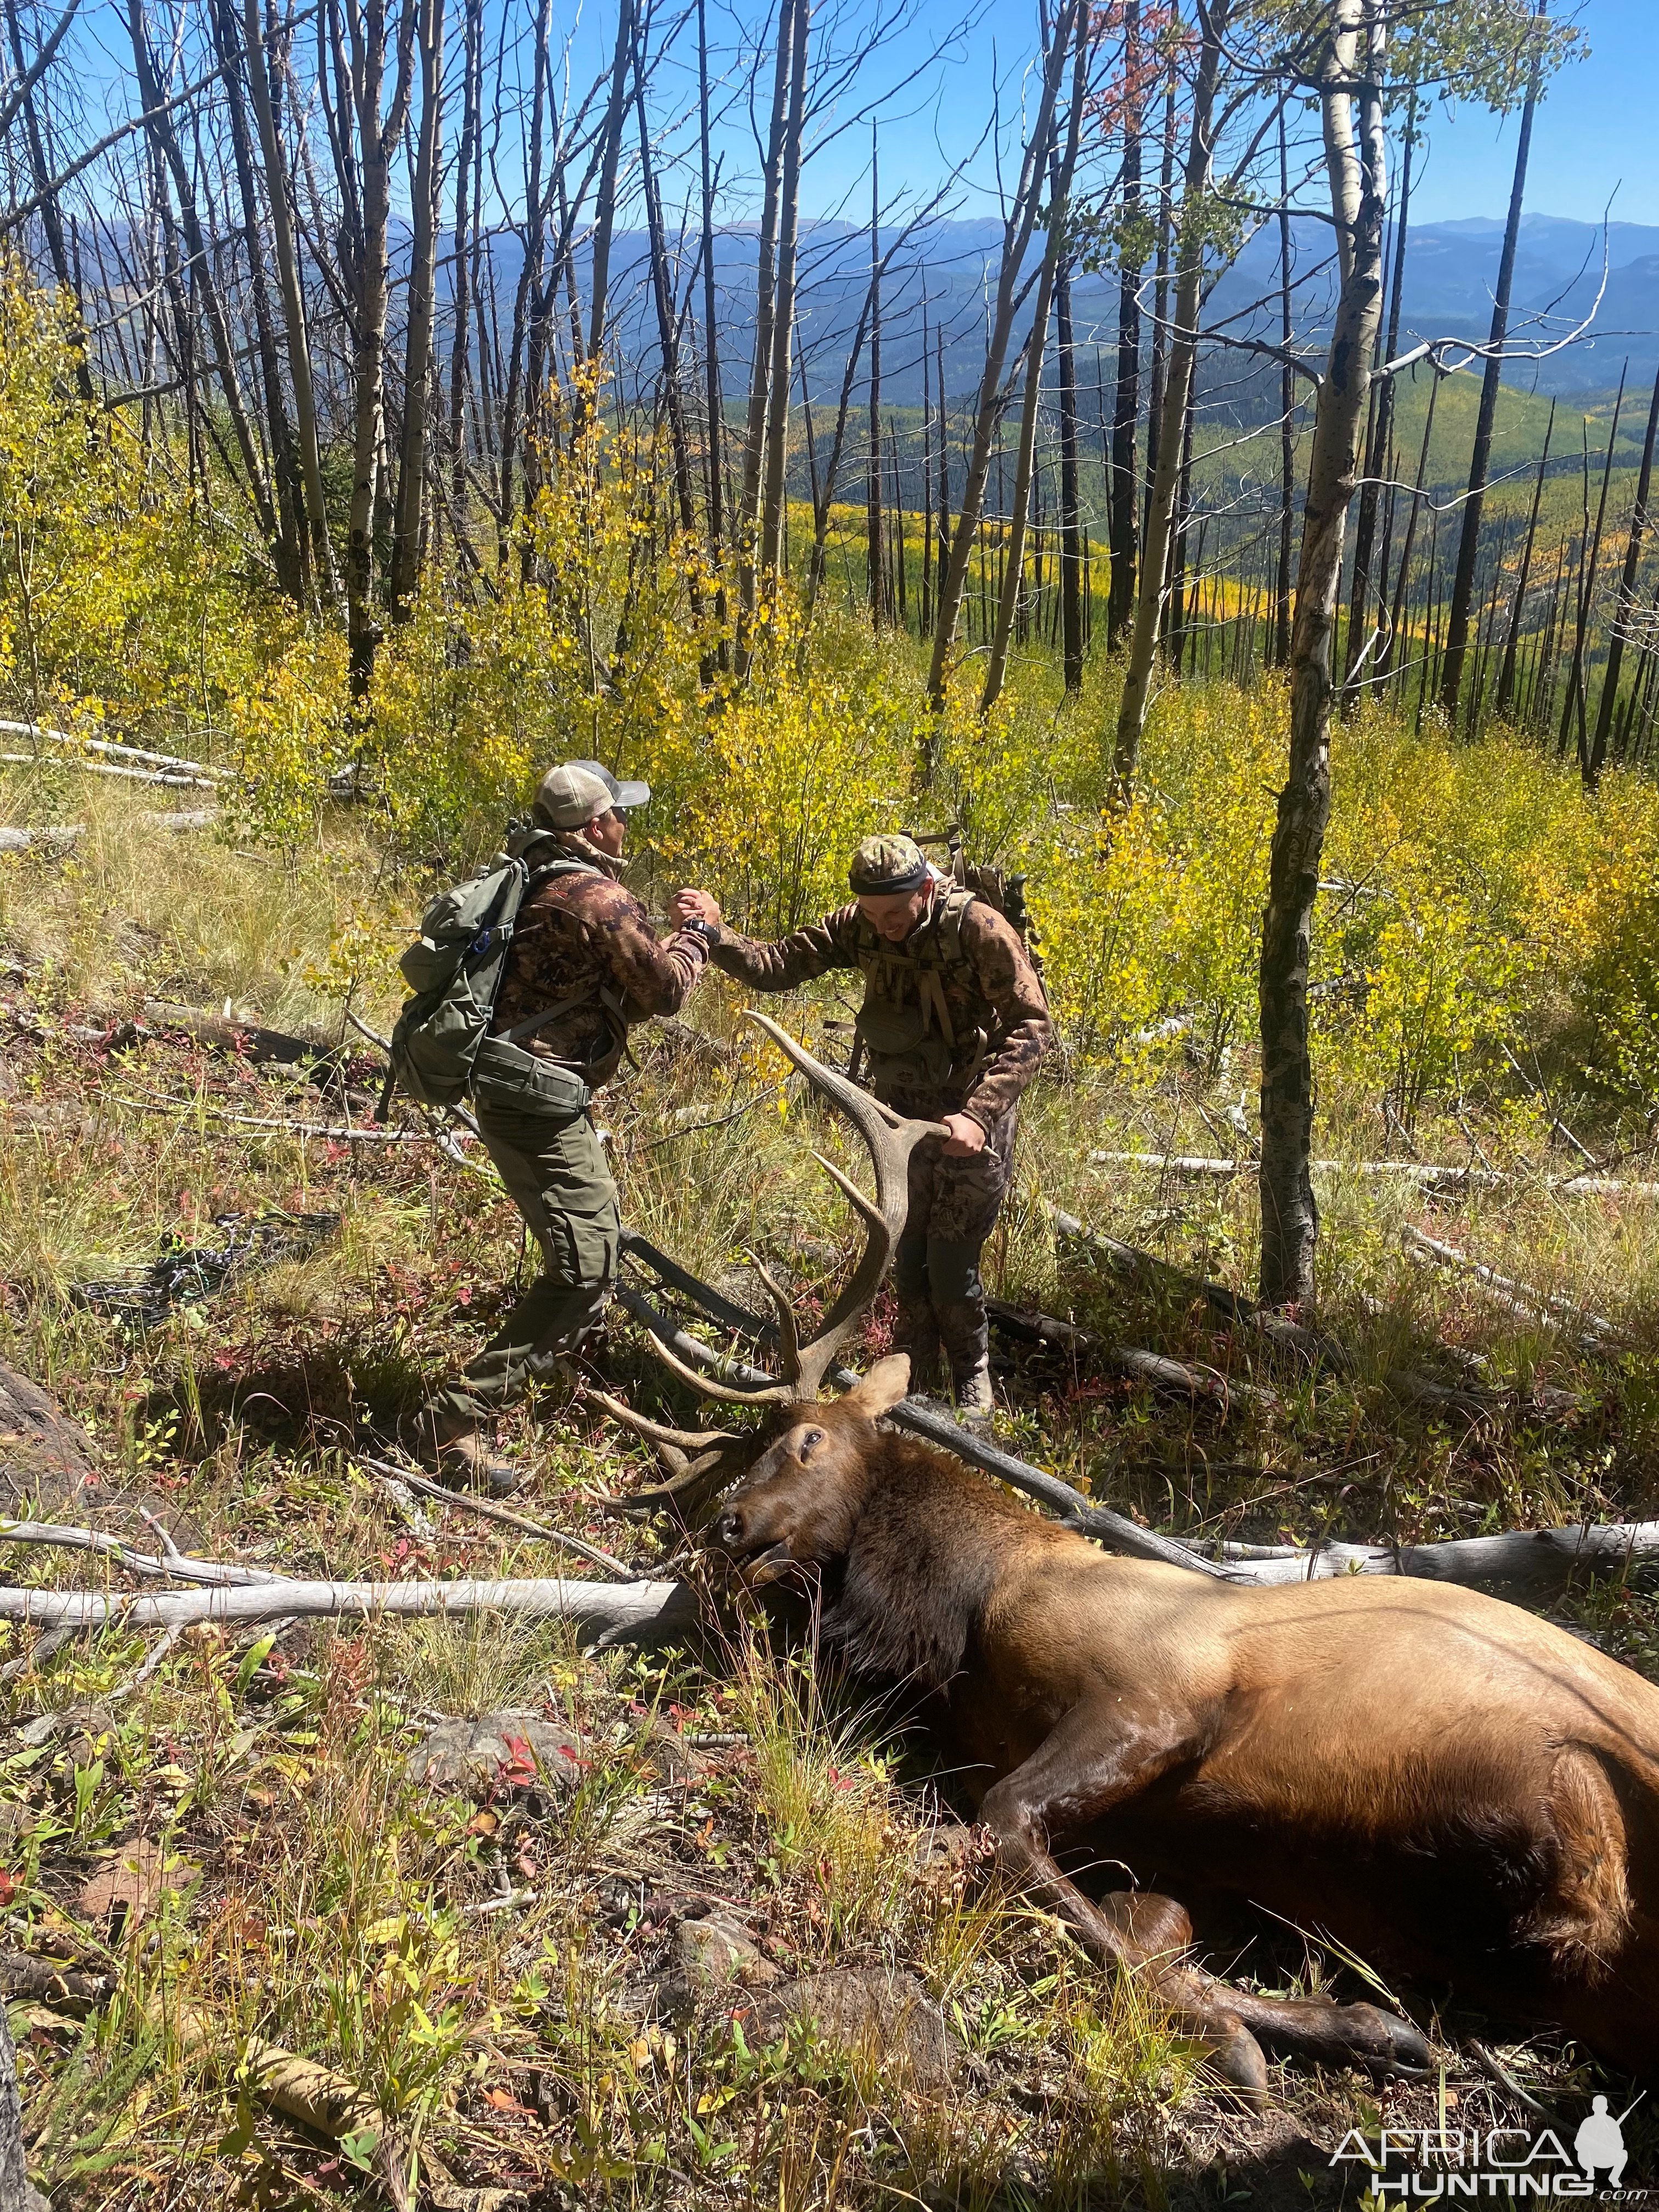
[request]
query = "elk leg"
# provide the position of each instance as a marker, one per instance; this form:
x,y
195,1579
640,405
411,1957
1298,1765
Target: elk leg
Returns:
x,y
1093,1761
1084,1767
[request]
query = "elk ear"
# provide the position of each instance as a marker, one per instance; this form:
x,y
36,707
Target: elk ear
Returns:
x,y
881,1389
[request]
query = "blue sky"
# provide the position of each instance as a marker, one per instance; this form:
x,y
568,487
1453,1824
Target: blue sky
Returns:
x,y
1596,135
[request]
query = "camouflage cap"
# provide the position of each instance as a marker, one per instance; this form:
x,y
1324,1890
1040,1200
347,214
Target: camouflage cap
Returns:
x,y
886,867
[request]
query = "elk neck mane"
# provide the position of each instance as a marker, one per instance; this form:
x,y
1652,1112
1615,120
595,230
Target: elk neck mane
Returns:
x,y
920,1563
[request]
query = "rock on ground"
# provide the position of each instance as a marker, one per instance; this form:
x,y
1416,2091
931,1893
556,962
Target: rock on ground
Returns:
x,y
516,1750
714,1952
876,2007
44,1456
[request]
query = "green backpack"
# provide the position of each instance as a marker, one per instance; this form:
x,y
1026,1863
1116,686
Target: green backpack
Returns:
x,y
1005,892
453,970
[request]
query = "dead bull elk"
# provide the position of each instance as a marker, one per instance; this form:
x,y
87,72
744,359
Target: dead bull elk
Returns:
x,y
1434,1777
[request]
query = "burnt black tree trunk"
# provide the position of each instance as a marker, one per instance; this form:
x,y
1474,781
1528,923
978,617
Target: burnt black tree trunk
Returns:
x,y
1626,601
878,609
1124,505
1573,713
1505,692
1468,544
1071,549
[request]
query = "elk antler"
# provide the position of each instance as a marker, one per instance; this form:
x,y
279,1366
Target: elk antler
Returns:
x,y
890,1139
684,1440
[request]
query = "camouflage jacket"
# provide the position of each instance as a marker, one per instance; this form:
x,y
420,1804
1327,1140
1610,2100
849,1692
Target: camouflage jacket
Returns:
x,y
585,933
993,1002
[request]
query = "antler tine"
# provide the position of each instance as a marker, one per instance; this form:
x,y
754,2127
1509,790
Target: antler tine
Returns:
x,y
655,1433
891,1138
709,1386
683,1494
850,1191
788,1335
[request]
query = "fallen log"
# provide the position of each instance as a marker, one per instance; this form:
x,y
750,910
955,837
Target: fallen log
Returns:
x,y
614,1611
1539,1563
1179,1376
248,1040
302,2089
487,1510
111,749
172,1565
345,1134
66,834
1539,1560
174,778
1131,1260
1519,1298
26,840
1405,1384
1446,1180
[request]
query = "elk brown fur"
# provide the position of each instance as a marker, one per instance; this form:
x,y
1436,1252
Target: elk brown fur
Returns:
x,y
1435,1777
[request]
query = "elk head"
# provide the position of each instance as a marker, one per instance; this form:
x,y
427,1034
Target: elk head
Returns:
x,y
700,1461
798,1503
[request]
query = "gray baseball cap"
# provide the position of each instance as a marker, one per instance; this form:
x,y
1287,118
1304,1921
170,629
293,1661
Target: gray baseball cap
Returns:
x,y
577,791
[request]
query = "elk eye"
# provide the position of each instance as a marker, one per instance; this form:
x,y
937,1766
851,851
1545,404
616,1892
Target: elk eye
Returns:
x,y
810,1439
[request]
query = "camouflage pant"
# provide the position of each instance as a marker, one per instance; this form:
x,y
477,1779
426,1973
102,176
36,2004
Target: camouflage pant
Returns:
x,y
954,1204
557,1174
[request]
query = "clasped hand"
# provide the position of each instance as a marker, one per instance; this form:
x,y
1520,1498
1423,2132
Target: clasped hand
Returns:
x,y
963,1135
694,906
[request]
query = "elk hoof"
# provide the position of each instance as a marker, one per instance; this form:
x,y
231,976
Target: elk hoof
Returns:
x,y
1237,2058
1384,2042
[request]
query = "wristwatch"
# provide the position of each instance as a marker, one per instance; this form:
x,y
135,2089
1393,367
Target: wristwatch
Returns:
x,y
708,931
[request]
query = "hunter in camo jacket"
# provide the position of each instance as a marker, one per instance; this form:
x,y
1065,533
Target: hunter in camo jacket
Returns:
x,y
584,966
953,1026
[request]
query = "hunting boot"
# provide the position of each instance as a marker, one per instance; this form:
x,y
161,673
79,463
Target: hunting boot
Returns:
x,y
966,1336
974,1402
455,1449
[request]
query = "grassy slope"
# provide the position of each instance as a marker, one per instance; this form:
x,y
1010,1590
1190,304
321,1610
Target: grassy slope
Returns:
x,y
333,1906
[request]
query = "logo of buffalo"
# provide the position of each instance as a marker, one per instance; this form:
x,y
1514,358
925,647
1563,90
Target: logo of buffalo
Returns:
x,y
1419,2164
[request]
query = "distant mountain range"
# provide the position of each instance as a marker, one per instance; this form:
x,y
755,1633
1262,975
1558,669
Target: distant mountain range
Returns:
x,y
940,281
1452,267
949,271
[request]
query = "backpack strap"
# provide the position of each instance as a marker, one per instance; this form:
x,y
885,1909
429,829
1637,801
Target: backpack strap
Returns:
x,y
594,994
522,1029
947,937
548,869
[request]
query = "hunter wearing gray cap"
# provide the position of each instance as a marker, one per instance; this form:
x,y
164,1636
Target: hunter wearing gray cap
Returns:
x,y
585,964
579,791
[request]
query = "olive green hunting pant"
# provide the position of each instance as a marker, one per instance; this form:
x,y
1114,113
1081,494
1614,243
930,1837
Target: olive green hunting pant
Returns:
x,y
557,1174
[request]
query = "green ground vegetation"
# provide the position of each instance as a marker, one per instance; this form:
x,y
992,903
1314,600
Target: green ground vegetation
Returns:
x,y
505,1971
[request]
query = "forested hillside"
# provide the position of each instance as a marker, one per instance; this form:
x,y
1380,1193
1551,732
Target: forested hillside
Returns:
x,y
394,404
